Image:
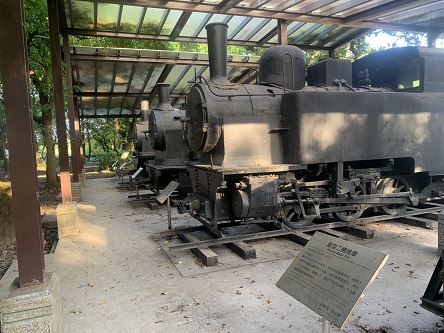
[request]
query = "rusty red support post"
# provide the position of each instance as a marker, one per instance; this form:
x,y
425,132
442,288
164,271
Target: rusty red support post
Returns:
x,y
78,134
65,180
19,127
75,150
282,32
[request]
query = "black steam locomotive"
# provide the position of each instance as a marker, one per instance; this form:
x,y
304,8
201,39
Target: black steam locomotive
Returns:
x,y
286,152
162,149
172,152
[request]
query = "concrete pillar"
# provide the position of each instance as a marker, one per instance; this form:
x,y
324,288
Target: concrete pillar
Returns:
x,y
67,219
76,189
82,178
33,308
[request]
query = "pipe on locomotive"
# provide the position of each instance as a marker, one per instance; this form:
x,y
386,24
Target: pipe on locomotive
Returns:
x,y
144,110
163,91
217,52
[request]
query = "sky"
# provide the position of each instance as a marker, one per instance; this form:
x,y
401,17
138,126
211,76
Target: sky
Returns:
x,y
385,40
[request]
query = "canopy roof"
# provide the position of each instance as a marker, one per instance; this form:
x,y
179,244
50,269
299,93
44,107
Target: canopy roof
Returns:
x,y
310,24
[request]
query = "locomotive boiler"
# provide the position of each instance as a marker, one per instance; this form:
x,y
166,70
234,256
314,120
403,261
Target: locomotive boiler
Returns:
x,y
284,152
166,137
142,146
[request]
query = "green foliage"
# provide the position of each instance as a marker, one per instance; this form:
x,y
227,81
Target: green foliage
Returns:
x,y
404,38
106,134
106,159
7,233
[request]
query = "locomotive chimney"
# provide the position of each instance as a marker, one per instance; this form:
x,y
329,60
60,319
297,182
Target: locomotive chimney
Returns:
x,y
163,91
144,110
217,52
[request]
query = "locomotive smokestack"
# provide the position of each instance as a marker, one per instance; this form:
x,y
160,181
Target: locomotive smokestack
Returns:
x,y
144,110
217,52
163,90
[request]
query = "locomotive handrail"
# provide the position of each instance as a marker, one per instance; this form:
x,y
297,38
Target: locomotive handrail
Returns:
x,y
238,95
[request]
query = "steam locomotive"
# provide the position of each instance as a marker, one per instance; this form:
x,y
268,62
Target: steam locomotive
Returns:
x,y
166,137
287,152
161,146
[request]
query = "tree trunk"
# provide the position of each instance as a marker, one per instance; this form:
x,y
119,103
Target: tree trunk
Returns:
x,y
51,162
3,156
116,134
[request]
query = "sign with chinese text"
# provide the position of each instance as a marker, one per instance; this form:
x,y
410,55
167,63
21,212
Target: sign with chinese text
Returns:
x,y
166,192
330,276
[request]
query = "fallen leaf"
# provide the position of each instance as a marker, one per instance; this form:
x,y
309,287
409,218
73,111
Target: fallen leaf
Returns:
x,y
238,292
165,307
91,284
76,312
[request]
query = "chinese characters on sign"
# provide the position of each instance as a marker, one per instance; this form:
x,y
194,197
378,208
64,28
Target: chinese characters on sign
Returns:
x,y
330,276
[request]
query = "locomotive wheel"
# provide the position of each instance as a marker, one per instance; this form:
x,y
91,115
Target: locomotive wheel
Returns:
x,y
352,215
292,217
394,184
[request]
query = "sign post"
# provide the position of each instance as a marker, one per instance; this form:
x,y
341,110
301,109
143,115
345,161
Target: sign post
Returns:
x,y
330,276
165,195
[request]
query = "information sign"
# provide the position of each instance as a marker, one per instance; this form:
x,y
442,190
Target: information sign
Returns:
x,y
166,192
135,174
331,275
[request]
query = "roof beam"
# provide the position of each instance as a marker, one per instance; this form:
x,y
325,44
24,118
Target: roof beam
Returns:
x,y
169,61
85,32
378,10
224,5
355,20
183,19
316,5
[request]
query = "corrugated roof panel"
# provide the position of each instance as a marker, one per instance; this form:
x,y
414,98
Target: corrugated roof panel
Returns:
x,y
88,79
139,78
170,22
105,76
264,30
363,7
107,15
158,69
215,18
130,18
248,28
184,83
115,105
83,14
122,76
152,20
192,24
176,72
233,25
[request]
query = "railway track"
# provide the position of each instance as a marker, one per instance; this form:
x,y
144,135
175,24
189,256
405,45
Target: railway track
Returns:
x,y
422,216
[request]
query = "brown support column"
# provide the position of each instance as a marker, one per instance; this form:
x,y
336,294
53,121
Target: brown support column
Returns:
x,y
25,204
331,53
78,134
75,150
282,32
65,180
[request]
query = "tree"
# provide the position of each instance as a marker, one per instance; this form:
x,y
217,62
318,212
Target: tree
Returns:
x,y
4,161
41,81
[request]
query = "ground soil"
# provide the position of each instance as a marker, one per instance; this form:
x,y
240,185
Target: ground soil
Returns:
x,y
48,201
